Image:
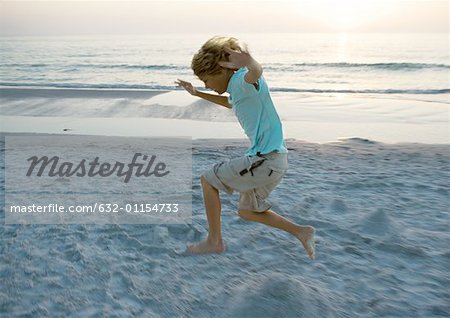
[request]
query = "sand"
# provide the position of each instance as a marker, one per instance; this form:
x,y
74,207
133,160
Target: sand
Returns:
x,y
379,206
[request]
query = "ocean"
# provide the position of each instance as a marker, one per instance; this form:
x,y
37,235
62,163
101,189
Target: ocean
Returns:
x,y
403,66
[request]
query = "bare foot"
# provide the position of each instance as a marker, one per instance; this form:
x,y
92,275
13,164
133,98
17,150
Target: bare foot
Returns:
x,y
205,247
306,236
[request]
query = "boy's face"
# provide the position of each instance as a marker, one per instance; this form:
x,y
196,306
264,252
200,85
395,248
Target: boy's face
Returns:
x,y
218,82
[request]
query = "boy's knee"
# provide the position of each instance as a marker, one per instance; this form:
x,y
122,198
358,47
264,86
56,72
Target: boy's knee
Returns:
x,y
203,180
244,214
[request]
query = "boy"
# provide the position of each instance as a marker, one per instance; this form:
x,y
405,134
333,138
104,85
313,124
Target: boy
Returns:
x,y
224,66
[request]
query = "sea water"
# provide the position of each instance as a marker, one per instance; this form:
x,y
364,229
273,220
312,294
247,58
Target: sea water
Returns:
x,y
411,66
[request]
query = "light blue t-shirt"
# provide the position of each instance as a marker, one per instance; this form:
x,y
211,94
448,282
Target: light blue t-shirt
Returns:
x,y
256,114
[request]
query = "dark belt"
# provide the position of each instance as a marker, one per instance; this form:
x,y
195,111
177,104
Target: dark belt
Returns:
x,y
259,154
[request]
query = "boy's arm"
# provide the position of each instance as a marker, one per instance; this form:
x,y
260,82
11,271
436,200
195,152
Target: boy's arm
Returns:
x,y
243,59
254,71
220,100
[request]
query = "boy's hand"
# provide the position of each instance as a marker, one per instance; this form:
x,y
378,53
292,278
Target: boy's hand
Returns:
x,y
187,86
237,59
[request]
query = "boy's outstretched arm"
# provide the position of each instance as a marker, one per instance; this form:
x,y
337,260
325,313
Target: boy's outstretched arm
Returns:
x,y
221,100
217,99
243,59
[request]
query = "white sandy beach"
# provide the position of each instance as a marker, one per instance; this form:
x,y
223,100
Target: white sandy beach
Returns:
x,y
381,214
379,202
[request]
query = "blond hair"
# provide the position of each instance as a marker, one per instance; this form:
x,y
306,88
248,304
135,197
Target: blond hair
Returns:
x,y
206,60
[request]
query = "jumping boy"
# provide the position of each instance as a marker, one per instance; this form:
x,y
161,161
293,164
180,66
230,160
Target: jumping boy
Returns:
x,y
224,65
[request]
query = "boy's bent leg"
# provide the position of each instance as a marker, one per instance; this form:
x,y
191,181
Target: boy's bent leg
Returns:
x,y
213,243
303,233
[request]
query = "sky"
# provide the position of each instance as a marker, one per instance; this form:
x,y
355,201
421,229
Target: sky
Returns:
x,y
29,18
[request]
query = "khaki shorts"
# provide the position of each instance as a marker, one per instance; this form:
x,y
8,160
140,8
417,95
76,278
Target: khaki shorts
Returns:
x,y
253,177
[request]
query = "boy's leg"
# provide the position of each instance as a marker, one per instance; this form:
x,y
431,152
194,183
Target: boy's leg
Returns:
x,y
213,243
303,233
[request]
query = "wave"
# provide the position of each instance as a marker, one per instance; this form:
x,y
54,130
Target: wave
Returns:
x,y
91,86
402,66
364,91
101,66
275,89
